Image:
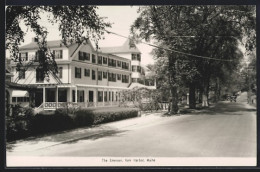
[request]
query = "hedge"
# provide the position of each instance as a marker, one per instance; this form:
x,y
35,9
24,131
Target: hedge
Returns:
x,y
85,117
21,125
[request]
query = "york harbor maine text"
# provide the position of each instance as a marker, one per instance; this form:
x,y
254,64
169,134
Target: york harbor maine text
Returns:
x,y
130,85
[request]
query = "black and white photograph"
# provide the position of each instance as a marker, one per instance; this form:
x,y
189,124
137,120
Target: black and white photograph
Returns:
x,y
130,86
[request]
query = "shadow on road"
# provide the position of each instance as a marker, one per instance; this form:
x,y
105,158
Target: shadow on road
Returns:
x,y
221,108
108,133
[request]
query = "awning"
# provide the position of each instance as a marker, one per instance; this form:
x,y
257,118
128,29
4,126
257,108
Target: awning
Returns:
x,y
20,93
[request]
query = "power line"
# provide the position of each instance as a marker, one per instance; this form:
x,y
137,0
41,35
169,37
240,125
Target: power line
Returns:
x,y
187,54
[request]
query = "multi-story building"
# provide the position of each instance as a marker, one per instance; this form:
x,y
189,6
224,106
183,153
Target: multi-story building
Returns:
x,y
129,51
85,76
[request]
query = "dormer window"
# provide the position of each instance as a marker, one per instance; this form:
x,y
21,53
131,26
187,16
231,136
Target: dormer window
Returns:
x,y
23,56
57,54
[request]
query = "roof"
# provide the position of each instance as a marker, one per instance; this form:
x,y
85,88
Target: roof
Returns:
x,y
138,85
125,48
18,86
34,45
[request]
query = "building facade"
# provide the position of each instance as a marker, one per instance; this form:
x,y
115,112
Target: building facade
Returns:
x,y
85,76
129,51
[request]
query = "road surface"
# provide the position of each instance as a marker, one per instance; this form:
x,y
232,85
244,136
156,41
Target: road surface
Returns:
x,y
226,130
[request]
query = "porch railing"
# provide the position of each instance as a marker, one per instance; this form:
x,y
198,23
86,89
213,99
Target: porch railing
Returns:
x,y
54,105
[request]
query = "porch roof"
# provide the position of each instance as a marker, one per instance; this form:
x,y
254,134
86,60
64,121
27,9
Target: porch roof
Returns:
x,y
101,86
20,93
54,85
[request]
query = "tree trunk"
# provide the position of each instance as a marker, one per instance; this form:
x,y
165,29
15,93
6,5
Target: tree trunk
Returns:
x,y
205,102
174,101
192,98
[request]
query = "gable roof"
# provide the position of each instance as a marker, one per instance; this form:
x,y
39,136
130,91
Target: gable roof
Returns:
x,y
50,44
125,48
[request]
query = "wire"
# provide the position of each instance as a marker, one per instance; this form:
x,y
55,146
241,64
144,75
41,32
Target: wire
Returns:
x,y
187,54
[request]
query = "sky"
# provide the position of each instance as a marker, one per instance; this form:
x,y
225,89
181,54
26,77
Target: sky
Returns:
x,y
121,17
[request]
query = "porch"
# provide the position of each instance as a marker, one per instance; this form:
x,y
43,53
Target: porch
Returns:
x,y
61,96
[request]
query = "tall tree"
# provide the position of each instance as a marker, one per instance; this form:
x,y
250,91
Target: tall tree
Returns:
x,y
76,24
210,33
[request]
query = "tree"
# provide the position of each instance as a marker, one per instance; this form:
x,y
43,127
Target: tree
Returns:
x,y
76,25
207,34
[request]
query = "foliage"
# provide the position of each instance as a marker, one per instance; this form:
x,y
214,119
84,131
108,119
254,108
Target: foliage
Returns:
x,y
76,25
205,31
142,98
92,116
18,122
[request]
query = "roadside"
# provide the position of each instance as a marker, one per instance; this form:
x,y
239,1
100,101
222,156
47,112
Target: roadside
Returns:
x,y
41,142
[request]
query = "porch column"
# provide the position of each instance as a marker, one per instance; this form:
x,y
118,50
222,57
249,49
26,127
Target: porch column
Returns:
x,y
43,97
57,97
103,97
112,97
76,95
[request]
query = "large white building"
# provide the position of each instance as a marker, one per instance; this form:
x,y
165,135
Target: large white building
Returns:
x,y
85,76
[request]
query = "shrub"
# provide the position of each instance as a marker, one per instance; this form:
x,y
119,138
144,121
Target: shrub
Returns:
x,y
18,122
84,117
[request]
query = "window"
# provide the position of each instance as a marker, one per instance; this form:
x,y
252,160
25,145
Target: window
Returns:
x,y
104,60
125,65
109,62
39,75
109,76
125,78
112,96
24,56
118,76
93,75
57,54
139,57
113,63
77,72
80,95
104,74
119,64
100,75
139,69
87,72
113,77
105,96
60,72
93,58
81,55
21,74
100,96
134,57
86,56
100,60
134,68
109,96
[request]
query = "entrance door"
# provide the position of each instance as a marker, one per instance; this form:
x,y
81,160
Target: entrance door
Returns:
x,y
91,96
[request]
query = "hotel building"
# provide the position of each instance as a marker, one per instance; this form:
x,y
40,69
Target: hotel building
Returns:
x,y
85,76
